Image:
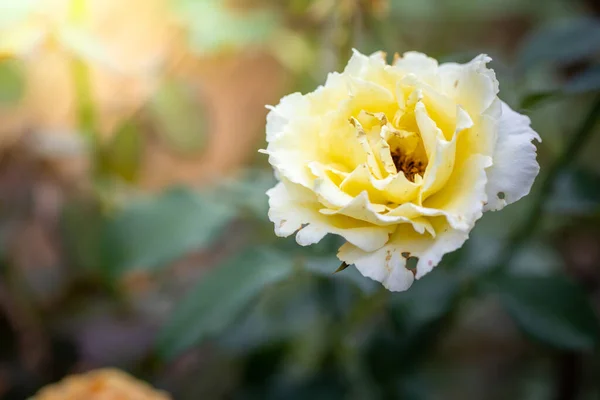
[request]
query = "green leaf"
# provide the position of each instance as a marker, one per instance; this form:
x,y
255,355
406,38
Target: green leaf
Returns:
x,y
282,312
560,43
551,309
12,82
219,297
587,81
180,117
123,154
151,232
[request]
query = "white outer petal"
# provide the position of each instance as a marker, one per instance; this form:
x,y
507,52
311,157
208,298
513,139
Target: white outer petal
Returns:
x,y
359,64
289,107
514,161
421,65
388,266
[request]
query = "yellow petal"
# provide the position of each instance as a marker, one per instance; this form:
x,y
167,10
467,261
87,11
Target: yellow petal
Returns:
x,y
293,208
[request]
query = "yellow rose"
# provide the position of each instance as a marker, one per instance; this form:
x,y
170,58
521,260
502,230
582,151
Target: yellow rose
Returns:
x,y
103,384
400,160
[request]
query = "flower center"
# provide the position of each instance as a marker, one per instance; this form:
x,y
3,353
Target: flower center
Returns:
x,y
408,164
406,147
403,146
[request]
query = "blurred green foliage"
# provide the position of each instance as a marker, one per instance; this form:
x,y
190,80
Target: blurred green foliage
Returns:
x,y
179,118
122,155
148,233
269,319
199,315
560,43
551,309
222,28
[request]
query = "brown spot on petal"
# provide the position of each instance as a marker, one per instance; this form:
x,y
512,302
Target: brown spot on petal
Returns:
x,y
405,254
388,257
430,263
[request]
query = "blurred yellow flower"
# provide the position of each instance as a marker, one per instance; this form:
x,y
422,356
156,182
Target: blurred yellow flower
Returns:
x,y
131,50
103,384
122,43
401,160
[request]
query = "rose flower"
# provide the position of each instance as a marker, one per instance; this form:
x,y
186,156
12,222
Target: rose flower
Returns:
x,y
400,160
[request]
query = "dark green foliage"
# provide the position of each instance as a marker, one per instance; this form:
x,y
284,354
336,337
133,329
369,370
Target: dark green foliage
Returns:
x,y
219,297
551,309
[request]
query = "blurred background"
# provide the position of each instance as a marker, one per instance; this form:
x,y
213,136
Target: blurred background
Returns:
x,y
133,215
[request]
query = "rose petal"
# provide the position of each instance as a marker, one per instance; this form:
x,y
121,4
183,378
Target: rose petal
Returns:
x,y
421,65
361,209
388,264
464,194
292,206
515,166
361,65
291,106
460,201
393,189
288,151
472,85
